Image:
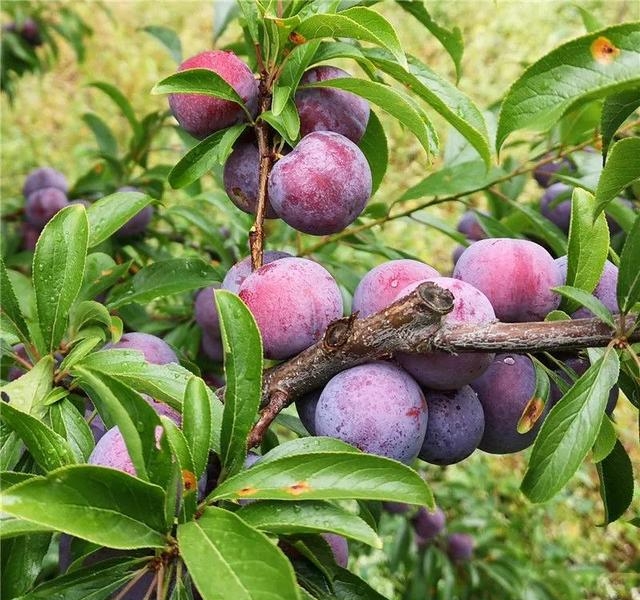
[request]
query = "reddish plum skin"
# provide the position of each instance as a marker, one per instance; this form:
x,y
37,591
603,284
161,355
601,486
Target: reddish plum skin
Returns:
x,y
44,177
293,301
242,269
204,311
322,185
201,115
156,351
339,548
441,370
327,109
605,290
111,451
455,427
559,213
241,175
470,227
516,276
376,407
380,286
460,547
428,525
42,204
504,391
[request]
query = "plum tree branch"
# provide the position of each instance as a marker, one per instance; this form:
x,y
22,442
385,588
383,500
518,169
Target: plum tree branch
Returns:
x,y
413,324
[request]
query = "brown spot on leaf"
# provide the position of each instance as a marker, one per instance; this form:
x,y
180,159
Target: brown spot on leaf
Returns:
x,y
530,415
106,272
298,488
296,38
248,491
604,51
189,480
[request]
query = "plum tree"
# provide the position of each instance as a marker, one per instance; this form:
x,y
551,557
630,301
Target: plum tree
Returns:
x,y
455,426
460,547
293,301
441,370
322,185
327,109
42,204
515,275
154,349
427,524
201,115
376,407
44,177
380,286
242,269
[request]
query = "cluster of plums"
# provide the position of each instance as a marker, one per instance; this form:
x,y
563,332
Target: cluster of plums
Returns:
x,y
321,185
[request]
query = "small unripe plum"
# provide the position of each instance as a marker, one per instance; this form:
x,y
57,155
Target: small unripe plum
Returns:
x,y
605,290
555,204
455,427
470,226
428,525
380,286
545,174
204,311
241,176
322,185
201,115
111,451
156,351
460,547
306,407
44,177
339,548
504,390
516,276
329,109
293,300
242,269
42,204
441,370
376,407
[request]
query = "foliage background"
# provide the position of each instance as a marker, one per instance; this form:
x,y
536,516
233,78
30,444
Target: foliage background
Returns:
x,y
556,540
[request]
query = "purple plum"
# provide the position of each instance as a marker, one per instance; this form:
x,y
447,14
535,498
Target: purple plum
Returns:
x,y
428,525
44,177
460,547
43,204
156,351
242,269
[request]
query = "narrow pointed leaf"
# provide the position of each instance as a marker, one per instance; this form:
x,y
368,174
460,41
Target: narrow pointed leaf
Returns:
x,y
628,290
67,421
107,142
199,160
197,422
120,100
374,147
10,308
616,483
615,110
621,170
110,213
27,393
11,527
605,442
581,298
22,562
168,38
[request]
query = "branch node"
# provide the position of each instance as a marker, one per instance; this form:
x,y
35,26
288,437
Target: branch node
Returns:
x,y
437,299
338,332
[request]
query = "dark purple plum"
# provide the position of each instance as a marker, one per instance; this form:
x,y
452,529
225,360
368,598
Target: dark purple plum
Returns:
x,y
555,204
30,235
242,269
380,286
111,451
457,253
376,407
42,204
460,547
30,32
605,290
455,427
515,275
327,109
211,347
396,508
201,115
139,222
306,407
545,174
470,226
293,301
204,311
18,370
44,177
339,548
441,370
241,175
156,351
322,185
428,525
504,390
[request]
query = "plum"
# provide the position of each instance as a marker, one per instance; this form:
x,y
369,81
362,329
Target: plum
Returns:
x,y
139,222
293,301
306,407
470,226
30,235
376,407
455,427
441,370
201,115
242,269
330,109
457,253
605,290
545,174
111,451
515,275
30,32
322,185
18,370
428,525
460,547
211,347
380,286
240,177
396,508
504,390
555,204
339,548
204,311
42,204
44,177
155,349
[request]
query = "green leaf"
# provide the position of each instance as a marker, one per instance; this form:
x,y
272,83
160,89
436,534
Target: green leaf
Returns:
x,y
104,506
120,100
100,273
67,421
197,422
348,586
628,290
180,449
10,307
581,298
22,559
11,527
297,62
615,110
445,98
358,23
27,393
243,375
542,227
10,447
49,450
246,564
589,67
307,445
168,38
289,518
164,278
451,40
605,441
110,213
621,170
374,147
570,430
228,140
616,483
107,142
58,270
390,100
198,161
286,123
